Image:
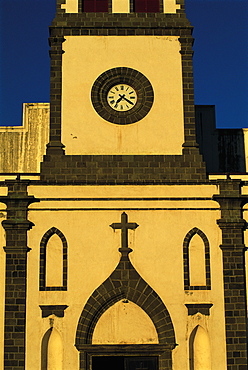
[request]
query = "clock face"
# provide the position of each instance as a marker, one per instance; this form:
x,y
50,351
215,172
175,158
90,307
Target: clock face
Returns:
x,y
122,97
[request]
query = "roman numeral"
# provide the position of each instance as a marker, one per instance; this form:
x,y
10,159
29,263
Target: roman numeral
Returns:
x,y
116,88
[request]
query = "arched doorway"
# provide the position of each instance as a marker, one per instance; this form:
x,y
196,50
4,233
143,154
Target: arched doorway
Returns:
x,y
126,286
144,343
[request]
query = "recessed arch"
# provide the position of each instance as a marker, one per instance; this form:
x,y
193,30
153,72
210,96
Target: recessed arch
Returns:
x,y
149,301
199,349
43,259
126,284
51,350
125,323
55,351
143,295
186,260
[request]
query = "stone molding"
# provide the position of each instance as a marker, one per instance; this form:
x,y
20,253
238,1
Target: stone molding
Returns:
x,y
233,249
194,308
57,310
16,227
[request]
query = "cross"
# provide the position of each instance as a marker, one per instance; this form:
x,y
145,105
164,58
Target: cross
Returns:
x,y
124,225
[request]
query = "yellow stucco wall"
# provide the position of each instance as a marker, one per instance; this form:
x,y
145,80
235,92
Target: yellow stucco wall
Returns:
x,y
85,132
70,6
22,147
120,6
157,256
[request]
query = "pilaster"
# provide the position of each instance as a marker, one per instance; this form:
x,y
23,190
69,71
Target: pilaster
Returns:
x,y
232,226
16,226
55,146
188,92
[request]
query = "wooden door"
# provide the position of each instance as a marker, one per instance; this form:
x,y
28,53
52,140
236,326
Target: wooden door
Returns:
x,y
141,363
124,363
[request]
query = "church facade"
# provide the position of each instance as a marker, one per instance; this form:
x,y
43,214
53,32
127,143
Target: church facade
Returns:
x,y
119,249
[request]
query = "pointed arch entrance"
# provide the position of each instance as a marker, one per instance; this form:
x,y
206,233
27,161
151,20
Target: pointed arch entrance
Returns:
x,y
125,284
142,295
152,356
155,355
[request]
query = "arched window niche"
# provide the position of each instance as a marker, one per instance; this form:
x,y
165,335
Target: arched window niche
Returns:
x,y
196,258
199,349
52,350
53,260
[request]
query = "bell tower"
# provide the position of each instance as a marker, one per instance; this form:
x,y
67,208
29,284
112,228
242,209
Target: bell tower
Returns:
x,y
122,91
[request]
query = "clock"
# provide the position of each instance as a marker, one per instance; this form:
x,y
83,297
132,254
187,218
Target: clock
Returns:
x,y
122,95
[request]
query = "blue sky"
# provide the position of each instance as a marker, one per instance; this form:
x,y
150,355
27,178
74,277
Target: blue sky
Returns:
x,y
220,59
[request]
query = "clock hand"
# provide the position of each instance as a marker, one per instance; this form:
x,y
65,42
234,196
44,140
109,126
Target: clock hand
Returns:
x,y
129,101
121,97
118,100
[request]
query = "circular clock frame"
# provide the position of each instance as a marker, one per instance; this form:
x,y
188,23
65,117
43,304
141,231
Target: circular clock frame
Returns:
x,y
127,76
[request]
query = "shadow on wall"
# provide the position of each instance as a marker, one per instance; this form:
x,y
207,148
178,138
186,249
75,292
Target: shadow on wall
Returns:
x,y
51,350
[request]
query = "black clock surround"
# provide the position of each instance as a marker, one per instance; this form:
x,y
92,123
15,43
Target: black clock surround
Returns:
x,y
122,75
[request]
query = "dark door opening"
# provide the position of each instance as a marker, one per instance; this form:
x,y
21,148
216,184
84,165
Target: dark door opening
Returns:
x,y
124,363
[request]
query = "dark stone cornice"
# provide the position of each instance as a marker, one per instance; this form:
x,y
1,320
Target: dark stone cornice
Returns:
x,y
153,349
11,224
231,247
57,310
203,308
66,22
226,223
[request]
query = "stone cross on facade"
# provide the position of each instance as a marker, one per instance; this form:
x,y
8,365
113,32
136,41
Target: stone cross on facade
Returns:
x,y
124,225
